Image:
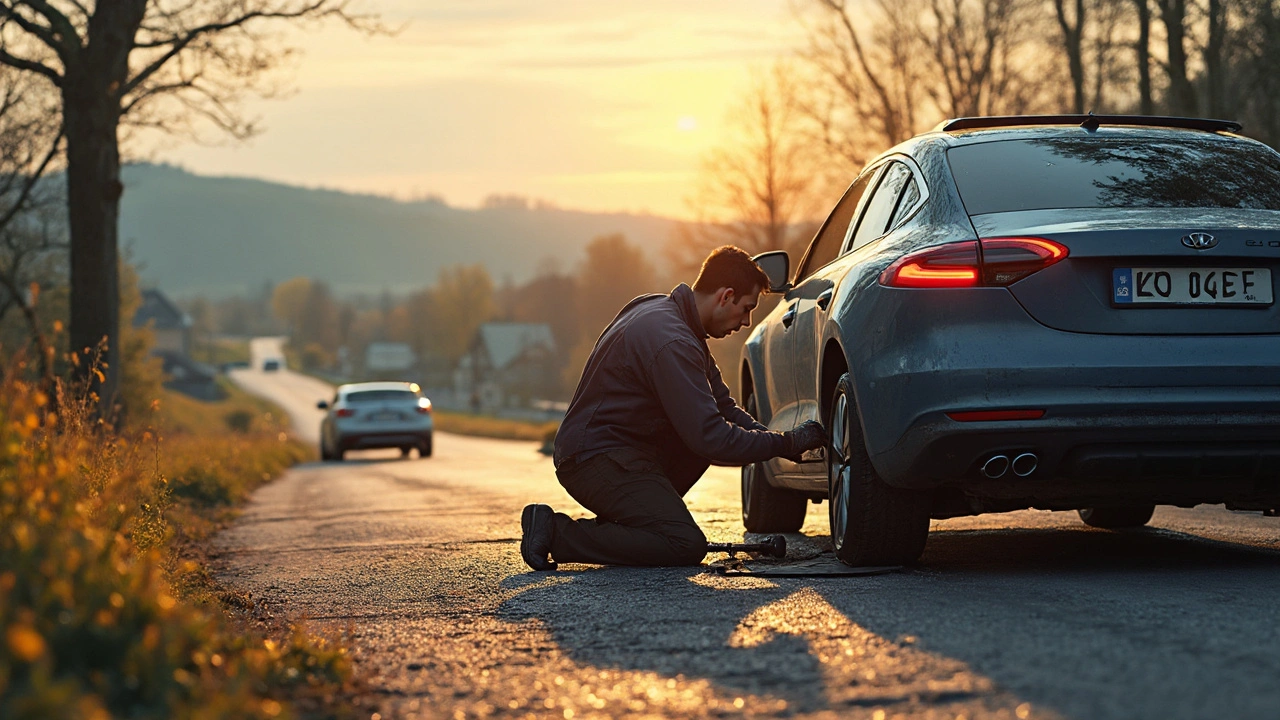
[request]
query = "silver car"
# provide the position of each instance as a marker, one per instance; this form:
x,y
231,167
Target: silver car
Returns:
x,y
375,415
1067,313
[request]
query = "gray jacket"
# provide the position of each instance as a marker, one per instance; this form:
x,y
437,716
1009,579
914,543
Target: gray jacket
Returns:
x,y
652,393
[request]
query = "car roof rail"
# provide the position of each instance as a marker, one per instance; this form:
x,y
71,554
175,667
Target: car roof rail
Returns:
x,y
1089,122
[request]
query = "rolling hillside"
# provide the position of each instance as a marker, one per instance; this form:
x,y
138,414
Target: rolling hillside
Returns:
x,y
220,236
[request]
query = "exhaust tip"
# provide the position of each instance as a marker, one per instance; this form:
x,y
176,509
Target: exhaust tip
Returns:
x,y
995,466
1025,464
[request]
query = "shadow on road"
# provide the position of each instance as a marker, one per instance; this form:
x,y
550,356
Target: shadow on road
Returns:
x,y
1083,623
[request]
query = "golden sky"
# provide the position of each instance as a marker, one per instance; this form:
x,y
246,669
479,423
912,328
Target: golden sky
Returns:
x,y
588,104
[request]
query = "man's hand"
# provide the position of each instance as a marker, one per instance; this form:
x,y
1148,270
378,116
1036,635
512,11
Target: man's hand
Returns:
x,y
806,436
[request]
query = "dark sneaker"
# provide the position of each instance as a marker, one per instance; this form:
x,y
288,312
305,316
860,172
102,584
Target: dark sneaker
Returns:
x,y
535,545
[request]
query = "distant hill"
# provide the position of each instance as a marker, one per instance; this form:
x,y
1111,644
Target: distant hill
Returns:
x,y
220,236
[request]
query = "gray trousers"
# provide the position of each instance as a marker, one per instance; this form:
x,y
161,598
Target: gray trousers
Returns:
x,y
640,518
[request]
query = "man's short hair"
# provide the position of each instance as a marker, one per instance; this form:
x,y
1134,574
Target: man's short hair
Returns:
x,y
731,267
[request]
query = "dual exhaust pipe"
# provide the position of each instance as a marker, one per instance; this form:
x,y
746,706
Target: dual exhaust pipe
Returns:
x,y
1022,465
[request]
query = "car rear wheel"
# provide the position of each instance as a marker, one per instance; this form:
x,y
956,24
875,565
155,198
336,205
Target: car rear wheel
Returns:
x,y
1117,518
325,453
424,449
872,523
766,508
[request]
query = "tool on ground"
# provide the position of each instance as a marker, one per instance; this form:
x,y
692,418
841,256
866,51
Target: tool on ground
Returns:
x,y
775,545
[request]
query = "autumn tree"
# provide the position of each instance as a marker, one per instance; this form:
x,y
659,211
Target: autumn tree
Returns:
x,y
613,273
170,65
461,301
548,298
288,299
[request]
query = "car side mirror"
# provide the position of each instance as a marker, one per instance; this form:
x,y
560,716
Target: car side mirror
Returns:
x,y
322,405
777,266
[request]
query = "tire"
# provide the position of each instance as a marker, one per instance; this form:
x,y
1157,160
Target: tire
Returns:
x,y
325,455
1117,518
766,508
404,451
872,523
424,450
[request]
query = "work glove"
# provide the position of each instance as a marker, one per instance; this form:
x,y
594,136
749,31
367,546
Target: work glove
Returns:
x,y
807,435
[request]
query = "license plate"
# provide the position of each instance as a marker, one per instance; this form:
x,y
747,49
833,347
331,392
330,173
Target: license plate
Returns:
x,y
1191,286
385,416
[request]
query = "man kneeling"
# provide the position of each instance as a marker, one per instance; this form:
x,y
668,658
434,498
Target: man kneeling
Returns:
x,y
651,412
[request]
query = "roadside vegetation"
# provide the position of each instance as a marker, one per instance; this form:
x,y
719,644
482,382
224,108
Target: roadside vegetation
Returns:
x,y
493,427
106,606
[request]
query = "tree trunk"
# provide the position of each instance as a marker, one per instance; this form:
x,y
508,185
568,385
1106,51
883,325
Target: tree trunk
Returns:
x,y
93,206
1215,78
1182,97
1146,105
91,95
1073,43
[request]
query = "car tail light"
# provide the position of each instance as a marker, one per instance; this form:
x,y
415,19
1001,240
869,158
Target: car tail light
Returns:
x,y
951,265
424,406
989,415
345,412
1008,260
991,262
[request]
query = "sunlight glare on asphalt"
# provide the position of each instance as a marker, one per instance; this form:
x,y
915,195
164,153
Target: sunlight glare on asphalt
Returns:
x,y
721,582
860,667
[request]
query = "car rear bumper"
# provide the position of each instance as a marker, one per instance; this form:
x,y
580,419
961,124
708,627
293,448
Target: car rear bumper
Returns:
x,y
1082,445
365,441
1115,406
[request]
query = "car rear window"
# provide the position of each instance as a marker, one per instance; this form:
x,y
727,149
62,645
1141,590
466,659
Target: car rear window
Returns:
x,y
1094,172
381,396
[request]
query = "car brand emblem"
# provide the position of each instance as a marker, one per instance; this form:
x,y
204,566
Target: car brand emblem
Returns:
x,y
1199,241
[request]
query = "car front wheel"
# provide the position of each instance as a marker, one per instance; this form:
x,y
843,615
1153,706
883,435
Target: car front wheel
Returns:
x,y
766,508
872,523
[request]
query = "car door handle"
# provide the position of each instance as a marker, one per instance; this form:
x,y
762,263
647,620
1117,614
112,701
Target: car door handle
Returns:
x,y
825,298
789,316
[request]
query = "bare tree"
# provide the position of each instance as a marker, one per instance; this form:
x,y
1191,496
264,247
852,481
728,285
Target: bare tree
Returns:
x,y
757,188
1259,41
156,63
32,241
1182,97
981,52
1074,45
920,61
1112,75
1142,57
865,92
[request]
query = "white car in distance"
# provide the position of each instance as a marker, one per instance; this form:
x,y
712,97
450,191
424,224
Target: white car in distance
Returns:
x,y
369,415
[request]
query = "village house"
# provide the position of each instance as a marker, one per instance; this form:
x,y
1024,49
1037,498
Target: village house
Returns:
x,y
508,365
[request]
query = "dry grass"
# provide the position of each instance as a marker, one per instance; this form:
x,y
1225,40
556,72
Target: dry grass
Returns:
x,y
102,615
491,427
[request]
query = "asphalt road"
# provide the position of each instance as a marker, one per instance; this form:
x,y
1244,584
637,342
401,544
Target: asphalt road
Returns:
x,y
1027,614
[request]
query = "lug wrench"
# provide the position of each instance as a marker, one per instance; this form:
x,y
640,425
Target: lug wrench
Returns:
x,y
775,545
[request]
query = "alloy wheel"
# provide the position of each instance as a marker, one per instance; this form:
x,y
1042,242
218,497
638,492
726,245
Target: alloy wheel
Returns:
x,y
839,470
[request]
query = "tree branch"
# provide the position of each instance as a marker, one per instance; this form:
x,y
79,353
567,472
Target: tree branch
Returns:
x,y
14,61
44,34
34,178
61,35
178,44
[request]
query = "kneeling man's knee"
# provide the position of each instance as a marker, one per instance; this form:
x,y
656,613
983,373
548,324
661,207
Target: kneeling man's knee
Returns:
x,y
688,544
